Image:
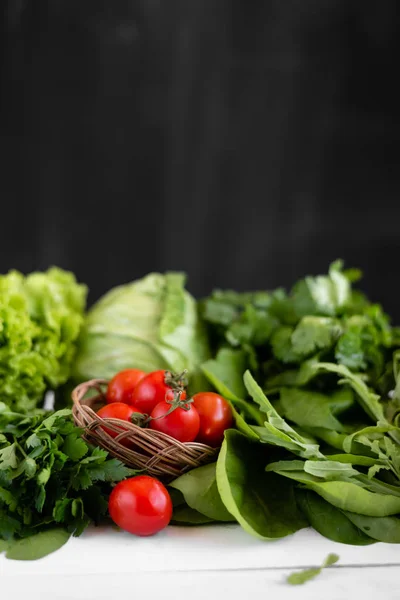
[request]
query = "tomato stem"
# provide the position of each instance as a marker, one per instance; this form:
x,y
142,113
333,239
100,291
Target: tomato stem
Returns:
x,y
176,381
139,419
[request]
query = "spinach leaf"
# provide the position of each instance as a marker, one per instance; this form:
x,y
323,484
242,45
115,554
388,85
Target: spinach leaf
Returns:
x,y
184,515
262,503
199,489
329,521
382,529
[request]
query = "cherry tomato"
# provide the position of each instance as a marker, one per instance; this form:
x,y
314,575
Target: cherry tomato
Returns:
x,y
122,385
117,410
183,425
215,416
151,390
140,505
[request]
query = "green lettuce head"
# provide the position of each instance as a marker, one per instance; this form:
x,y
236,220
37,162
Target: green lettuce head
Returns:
x,y
40,320
150,324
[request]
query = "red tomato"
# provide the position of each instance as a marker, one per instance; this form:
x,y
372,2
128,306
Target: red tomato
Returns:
x,y
122,385
215,416
140,505
151,390
183,425
117,410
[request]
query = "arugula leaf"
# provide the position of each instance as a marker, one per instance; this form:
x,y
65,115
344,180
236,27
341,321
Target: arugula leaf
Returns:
x,y
348,496
328,469
301,577
368,399
276,426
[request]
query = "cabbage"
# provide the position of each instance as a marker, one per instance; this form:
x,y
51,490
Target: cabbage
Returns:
x,y
40,320
149,324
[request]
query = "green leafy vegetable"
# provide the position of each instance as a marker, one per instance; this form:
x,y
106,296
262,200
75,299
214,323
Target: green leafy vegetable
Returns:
x,y
276,427
49,476
40,319
149,324
225,373
349,496
301,577
382,529
313,334
262,503
199,488
308,408
329,521
184,515
38,545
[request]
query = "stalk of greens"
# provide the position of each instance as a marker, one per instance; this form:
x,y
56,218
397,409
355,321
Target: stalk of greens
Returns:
x,y
52,483
40,319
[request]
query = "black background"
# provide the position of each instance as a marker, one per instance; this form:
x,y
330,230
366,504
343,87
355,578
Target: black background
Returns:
x,y
246,142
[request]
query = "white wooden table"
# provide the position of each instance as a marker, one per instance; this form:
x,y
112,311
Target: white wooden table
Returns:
x,y
202,563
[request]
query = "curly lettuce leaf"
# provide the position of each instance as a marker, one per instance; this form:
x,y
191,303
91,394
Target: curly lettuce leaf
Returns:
x,y
40,319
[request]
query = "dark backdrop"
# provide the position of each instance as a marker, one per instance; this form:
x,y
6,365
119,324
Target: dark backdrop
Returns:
x,y
247,142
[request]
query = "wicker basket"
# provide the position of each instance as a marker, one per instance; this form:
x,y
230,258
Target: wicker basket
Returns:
x,y
156,453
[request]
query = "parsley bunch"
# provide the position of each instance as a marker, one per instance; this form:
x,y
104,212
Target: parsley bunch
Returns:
x,y
49,476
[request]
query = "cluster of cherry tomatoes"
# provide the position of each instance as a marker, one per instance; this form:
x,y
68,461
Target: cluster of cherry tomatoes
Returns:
x,y
142,505
163,400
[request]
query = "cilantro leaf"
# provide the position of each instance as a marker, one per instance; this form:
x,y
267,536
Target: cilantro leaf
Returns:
x,y
313,334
